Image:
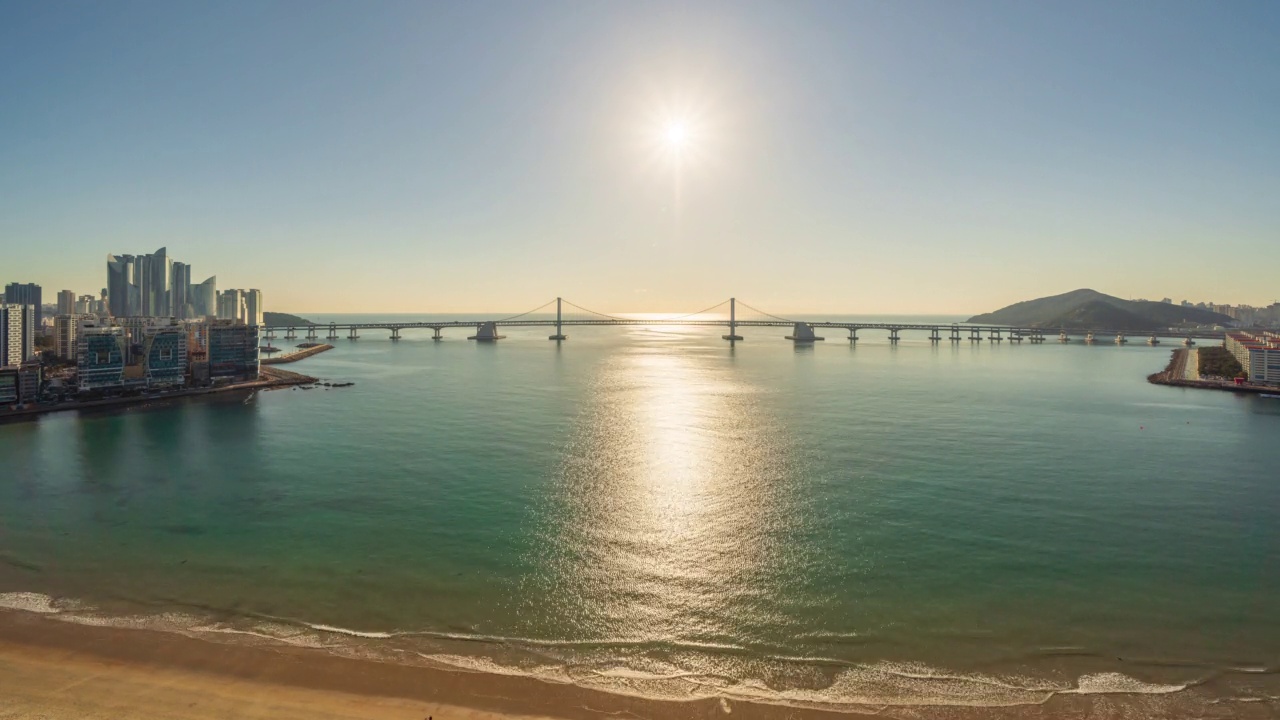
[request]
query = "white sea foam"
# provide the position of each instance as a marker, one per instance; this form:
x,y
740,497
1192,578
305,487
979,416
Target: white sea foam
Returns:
x,y
1112,682
29,602
352,633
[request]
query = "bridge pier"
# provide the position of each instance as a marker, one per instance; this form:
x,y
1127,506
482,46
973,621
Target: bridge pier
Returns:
x,y
291,334
1088,339
935,335
1063,337
333,332
1153,340
1121,339
975,335
893,335
1015,336
487,332
271,334
353,334
994,336
803,332
436,334
955,335
733,335
311,332
853,335
1188,341
395,333
559,319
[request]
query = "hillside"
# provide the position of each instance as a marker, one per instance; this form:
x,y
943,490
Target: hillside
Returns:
x,y
1090,309
275,319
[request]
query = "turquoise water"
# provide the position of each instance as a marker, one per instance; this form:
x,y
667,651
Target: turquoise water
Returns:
x,y
650,511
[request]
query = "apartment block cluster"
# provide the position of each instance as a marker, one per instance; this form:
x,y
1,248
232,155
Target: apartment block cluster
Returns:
x,y
1258,353
150,329
1244,315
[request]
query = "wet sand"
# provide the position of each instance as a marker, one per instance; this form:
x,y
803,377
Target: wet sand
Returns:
x,y
56,669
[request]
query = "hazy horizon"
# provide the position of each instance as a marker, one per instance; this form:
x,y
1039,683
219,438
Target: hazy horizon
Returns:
x,y
871,158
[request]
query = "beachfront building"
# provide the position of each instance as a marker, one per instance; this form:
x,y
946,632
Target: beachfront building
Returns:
x,y
100,356
17,334
232,351
1258,353
164,356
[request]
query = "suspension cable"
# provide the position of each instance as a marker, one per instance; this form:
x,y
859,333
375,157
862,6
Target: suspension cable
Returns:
x,y
528,312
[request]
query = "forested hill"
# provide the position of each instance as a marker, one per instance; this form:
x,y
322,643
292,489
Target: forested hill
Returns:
x,y
275,319
1090,309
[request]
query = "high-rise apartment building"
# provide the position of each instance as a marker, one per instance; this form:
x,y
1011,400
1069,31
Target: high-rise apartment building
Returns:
x,y
232,306
180,291
66,302
124,286
17,333
253,307
205,297
25,294
64,336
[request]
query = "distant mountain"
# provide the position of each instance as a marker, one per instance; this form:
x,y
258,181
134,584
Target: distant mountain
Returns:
x,y
275,319
1092,310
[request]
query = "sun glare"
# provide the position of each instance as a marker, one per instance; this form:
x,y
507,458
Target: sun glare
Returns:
x,y
676,135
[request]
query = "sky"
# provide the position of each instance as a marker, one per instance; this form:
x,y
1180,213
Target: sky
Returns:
x,y
833,157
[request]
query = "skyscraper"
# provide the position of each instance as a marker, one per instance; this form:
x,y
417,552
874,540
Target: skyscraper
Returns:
x,y
156,272
25,294
66,302
205,297
124,292
64,336
17,333
180,291
253,307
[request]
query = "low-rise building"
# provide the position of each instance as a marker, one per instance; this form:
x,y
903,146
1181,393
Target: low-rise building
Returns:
x,y
8,386
1258,353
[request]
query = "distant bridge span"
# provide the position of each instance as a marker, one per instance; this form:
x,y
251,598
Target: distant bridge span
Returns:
x,y
802,331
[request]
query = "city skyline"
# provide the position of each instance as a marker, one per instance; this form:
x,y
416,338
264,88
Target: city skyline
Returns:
x,y
851,158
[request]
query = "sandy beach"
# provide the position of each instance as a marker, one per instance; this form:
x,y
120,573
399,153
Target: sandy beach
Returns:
x,y
51,669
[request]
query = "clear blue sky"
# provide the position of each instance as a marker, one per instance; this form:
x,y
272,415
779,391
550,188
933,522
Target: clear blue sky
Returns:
x,y
841,157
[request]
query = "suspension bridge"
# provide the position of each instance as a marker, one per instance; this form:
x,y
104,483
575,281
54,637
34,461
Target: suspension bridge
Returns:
x,y
728,314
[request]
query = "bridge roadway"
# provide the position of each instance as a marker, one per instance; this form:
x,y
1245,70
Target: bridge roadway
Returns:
x,y
937,332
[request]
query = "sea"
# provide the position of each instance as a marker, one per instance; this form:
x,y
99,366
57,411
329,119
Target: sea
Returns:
x,y
648,510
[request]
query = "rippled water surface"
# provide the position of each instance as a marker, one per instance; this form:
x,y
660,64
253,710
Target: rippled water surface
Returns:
x,y
648,510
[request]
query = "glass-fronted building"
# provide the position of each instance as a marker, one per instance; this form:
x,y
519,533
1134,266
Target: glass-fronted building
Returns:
x,y
164,356
100,356
232,352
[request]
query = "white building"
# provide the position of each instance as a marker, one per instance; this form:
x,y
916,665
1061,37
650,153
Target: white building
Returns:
x,y
17,333
1258,353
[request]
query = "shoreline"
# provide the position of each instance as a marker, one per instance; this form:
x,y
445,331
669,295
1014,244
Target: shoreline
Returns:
x,y
52,666
268,379
1173,375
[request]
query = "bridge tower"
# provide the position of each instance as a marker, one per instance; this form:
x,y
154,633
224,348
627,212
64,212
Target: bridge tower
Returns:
x,y
733,322
559,319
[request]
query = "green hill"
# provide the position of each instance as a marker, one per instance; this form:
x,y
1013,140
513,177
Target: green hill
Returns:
x,y
1091,310
275,319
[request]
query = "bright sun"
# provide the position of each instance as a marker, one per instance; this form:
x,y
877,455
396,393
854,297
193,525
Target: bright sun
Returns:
x,y
676,135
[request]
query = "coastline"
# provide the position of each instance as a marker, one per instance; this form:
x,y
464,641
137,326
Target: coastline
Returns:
x,y
268,379
51,667
1174,376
